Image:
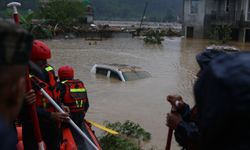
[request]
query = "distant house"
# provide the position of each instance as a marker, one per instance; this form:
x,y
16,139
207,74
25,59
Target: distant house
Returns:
x,y
199,16
89,14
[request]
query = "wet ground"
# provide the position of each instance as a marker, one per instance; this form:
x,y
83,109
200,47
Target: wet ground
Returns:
x,y
172,66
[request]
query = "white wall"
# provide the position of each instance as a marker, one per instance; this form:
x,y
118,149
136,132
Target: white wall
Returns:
x,y
194,20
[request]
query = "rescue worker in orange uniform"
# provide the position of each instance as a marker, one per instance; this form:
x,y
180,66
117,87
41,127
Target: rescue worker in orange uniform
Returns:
x,y
74,95
49,118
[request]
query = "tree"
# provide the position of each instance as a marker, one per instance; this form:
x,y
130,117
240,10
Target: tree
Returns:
x,y
37,30
63,12
221,34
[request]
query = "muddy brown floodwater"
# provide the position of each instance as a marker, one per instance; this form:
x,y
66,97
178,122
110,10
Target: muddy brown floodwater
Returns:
x,y
172,66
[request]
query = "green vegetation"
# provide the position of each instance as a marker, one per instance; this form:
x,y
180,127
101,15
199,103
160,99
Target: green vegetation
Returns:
x,y
154,37
131,136
220,34
52,17
38,30
63,12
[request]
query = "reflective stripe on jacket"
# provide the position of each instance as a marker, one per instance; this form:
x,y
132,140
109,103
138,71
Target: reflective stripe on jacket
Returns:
x,y
52,81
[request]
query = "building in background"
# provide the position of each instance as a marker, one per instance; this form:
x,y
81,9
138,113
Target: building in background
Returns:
x,y
200,16
89,13
89,16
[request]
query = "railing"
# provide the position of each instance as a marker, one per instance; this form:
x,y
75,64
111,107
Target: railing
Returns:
x,y
223,17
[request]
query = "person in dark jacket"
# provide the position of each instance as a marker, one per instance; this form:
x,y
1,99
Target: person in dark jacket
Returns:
x,y
184,119
222,97
15,46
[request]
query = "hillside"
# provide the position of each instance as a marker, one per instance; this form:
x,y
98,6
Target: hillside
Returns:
x,y
158,10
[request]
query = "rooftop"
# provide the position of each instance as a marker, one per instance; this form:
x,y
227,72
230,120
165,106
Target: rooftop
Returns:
x,y
121,67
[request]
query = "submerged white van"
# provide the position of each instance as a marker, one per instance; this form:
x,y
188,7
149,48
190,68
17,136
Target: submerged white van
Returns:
x,y
120,71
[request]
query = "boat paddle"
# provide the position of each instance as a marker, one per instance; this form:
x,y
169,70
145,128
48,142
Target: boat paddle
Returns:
x,y
15,12
169,139
170,130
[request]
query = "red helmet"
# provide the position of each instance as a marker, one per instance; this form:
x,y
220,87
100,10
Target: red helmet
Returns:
x,y
40,51
66,72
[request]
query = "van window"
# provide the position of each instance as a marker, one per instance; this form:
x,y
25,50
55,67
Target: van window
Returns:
x,y
114,75
130,76
101,71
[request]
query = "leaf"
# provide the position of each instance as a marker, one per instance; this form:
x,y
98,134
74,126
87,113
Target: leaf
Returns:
x,y
30,17
23,19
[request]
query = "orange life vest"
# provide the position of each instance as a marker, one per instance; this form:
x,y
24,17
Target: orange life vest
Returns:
x,y
52,81
75,95
41,101
50,89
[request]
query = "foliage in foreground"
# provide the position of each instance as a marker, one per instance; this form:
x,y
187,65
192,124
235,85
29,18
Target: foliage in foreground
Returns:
x,y
38,30
131,136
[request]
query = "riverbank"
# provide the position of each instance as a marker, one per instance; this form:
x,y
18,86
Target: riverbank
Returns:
x,y
99,30
108,29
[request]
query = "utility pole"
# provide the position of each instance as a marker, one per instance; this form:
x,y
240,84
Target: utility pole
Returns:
x,y
143,15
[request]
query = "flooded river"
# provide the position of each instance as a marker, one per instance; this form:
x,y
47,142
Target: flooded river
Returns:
x,y
172,66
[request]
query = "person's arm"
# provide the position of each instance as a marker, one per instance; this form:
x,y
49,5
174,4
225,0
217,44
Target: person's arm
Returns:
x,y
185,112
180,106
186,134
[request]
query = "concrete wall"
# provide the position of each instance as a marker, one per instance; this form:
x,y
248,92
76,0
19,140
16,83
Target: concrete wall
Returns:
x,y
210,6
194,20
207,7
245,8
220,6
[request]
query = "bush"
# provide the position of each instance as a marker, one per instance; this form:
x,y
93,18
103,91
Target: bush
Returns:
x,y
131,136
154,37
63,12
221,34
38,30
